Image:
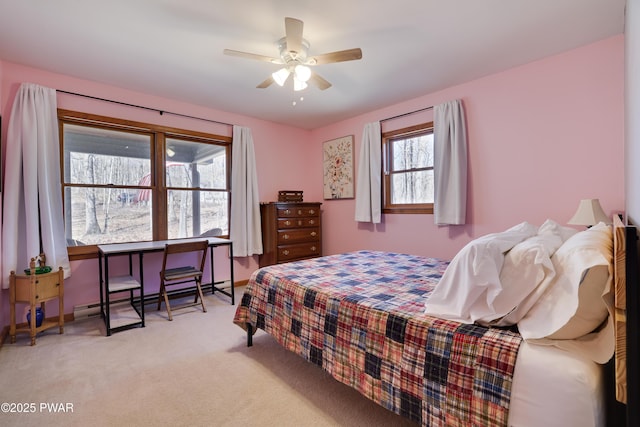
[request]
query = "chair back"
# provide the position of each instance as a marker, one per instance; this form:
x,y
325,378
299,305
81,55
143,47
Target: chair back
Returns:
x,y
200,247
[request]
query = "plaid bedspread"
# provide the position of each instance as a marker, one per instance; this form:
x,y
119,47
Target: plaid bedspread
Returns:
x,y
360,317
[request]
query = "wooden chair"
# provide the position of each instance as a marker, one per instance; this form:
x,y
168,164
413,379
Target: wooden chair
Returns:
x,y
36,288
172,275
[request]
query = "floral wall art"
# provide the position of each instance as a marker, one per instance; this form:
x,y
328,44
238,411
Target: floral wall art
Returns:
x,y
338,168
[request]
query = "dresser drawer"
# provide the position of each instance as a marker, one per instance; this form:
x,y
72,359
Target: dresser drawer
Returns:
x,y
298,222
47,287
298,235
297,211
298,251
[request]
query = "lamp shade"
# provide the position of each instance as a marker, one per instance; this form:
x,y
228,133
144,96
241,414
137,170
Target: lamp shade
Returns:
x,y
298,85
302,72
281,76
589,213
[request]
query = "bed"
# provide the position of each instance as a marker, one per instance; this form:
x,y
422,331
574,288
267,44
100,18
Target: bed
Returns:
x,y
364,318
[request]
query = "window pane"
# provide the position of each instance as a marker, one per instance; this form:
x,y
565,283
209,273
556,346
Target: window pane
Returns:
x,y
107,215
412,153
197,213
412,187
102,156
195,164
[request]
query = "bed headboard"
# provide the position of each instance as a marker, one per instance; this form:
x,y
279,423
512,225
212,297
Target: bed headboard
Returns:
x,y
620,292
627,318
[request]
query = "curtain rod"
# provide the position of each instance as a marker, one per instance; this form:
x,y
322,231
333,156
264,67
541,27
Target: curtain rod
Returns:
x,y
406,114
143,107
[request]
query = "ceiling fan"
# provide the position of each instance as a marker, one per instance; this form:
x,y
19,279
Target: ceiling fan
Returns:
x,y
295,59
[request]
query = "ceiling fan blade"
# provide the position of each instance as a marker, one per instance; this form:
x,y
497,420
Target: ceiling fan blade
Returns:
x,y
319,82
265,84
339,56
293,31
252,56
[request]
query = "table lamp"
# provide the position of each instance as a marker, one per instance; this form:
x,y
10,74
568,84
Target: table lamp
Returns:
x,y
589,213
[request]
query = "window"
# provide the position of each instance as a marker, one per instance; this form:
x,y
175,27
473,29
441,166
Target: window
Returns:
x,y
125,181
197,195
408,185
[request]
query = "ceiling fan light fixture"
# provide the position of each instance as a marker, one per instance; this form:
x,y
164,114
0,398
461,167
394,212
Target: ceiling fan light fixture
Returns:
x,y
294,59
298,84
281,76
302,73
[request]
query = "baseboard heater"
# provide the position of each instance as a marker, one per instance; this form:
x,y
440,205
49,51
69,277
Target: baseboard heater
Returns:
x,y
87,311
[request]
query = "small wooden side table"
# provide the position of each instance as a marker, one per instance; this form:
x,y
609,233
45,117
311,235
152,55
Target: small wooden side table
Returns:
x,y
36,289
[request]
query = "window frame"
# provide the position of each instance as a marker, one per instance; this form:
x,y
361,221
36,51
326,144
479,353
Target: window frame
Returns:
x,y
159,135
387,170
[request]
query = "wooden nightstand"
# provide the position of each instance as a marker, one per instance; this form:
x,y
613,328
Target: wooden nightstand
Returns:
x,y
34,289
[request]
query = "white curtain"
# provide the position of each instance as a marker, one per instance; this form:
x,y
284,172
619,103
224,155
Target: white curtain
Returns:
x,y
368,189
450,163
33,215
246,231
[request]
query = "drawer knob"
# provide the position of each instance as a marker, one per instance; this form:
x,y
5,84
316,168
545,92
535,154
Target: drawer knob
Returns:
x,y
299,211
312,211
285,252
287,223
285,236
299,222
313,234
311,221
287,211
313,248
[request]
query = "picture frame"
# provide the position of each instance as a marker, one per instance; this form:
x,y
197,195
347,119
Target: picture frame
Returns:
x,y
338,168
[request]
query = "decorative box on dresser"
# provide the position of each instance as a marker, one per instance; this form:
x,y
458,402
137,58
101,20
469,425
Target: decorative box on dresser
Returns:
x,y
290,231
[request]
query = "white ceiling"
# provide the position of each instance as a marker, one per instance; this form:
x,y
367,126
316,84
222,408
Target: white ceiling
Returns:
x,y
173,48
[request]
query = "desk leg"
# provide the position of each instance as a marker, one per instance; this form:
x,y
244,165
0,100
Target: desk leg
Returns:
x,y
213,280
107,318
101,283
141,290
233,293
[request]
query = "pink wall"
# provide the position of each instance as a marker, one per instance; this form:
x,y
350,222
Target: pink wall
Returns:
x,y
541,137
632,110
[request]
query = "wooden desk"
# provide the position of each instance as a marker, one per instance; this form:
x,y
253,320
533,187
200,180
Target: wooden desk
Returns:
x,y
131,314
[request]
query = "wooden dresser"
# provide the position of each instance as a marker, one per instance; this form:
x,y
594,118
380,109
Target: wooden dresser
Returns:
x,y
290,231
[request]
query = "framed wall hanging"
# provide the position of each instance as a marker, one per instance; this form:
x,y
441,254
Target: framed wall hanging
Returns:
x,y
338,168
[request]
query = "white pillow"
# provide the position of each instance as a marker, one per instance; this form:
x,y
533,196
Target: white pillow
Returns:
x,y
591,310
565,310
525,267
528,269
469,286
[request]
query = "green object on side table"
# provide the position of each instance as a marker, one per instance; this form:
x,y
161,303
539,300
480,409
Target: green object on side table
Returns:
x,y
39,270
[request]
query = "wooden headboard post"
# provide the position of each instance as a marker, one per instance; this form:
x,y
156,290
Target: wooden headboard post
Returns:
x,y
627,319
633,328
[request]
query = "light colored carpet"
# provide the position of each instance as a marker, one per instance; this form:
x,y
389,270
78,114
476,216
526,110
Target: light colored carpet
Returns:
x,y
195,370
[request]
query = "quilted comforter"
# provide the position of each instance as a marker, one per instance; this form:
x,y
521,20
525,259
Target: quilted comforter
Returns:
x,y
360,316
